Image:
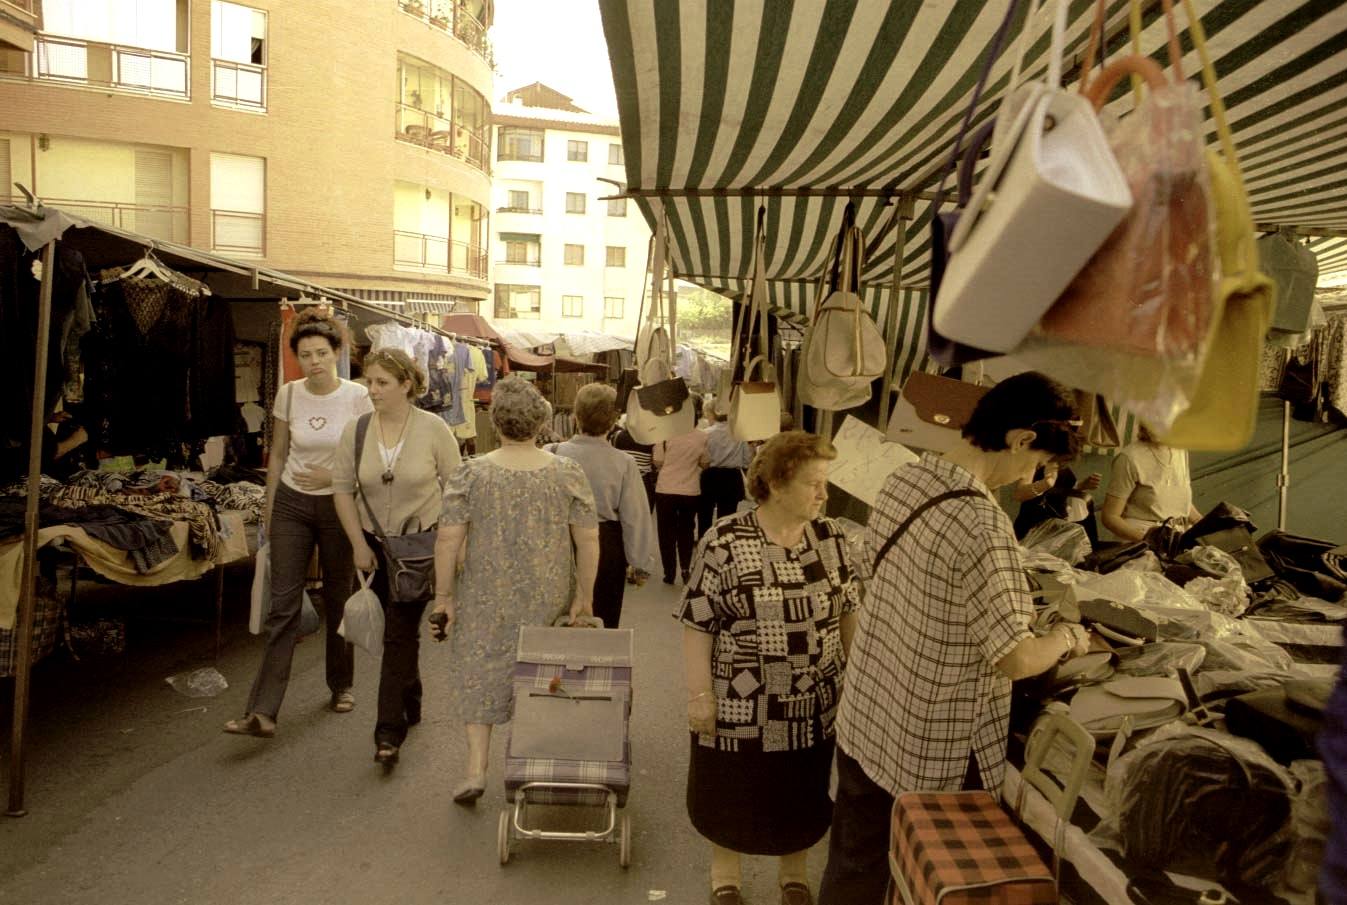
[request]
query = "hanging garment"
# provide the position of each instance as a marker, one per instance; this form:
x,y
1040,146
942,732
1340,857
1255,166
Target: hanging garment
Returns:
x,y
210,381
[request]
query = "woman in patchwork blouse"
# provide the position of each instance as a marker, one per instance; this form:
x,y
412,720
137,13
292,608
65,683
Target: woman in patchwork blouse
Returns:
x,y
768,613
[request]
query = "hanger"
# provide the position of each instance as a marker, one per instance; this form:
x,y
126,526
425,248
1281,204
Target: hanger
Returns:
x,y
150,267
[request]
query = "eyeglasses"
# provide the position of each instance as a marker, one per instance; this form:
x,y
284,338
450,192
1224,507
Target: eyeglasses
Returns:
x,y
1073,424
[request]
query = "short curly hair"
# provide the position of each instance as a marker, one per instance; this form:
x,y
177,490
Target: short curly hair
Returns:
x,y
1027,401
317,322
518,410
781,457
595,409
400,366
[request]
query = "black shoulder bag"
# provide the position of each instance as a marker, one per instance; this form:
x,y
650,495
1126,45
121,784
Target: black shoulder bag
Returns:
x,y
912,517
410,556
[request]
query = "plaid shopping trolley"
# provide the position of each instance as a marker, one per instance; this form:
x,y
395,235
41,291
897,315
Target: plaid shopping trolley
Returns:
x,y
569,736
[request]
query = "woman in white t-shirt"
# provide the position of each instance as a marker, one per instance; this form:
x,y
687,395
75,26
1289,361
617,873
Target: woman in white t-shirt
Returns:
x,y
1149,485
310,416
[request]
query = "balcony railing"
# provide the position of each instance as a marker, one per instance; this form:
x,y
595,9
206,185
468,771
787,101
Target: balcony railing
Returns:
x,y
438,253
238,232
522,262
72,61
421,127
26,6
519,210
453,21
159,221
240,85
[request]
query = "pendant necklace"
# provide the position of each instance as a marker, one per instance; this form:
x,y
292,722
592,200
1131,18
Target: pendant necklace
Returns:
x,y
390,457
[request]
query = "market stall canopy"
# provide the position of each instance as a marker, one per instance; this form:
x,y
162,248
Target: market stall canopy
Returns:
x,y
803,106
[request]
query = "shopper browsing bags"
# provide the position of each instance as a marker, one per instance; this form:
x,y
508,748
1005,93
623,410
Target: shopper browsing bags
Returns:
x,y
944,630
678,490
300,513
531,554
405,459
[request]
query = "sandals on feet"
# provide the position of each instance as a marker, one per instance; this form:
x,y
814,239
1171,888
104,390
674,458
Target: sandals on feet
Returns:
x,y
250,724
386,754
470,790
342,702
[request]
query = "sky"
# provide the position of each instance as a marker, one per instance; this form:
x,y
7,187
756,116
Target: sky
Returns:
x,y
557,42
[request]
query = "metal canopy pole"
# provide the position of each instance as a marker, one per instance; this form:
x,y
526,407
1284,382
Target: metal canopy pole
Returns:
x,y
28,582
1284,478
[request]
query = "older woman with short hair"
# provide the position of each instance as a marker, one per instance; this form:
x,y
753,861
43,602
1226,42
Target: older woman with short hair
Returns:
x,y
531,551
626,530
768,614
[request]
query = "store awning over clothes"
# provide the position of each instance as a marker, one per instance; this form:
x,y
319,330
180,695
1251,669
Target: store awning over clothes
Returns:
x,y
520,359
802,107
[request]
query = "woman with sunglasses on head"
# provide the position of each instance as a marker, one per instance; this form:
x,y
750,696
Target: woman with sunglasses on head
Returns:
x,y
406,457
299,515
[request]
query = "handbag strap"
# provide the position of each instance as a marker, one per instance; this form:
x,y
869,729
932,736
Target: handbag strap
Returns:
x,y
361,430
1199,36
915,513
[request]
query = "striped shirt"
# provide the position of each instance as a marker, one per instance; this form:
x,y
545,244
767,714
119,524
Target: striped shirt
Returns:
x,y
947,603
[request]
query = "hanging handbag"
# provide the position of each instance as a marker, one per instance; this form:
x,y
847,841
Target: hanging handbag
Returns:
x,y
755,410
1295,270
1224,408
411,554
1097,424
844,350
931,411
661,407
1051,194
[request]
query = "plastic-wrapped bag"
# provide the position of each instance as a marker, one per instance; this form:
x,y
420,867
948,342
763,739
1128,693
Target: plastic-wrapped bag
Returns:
x,y
1063,539
1135,588
1146,562
1161,658
1133,325
362,621
1199,802
1228,596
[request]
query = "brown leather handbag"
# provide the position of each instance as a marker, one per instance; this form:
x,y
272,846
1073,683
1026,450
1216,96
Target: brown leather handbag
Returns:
x,y
931,411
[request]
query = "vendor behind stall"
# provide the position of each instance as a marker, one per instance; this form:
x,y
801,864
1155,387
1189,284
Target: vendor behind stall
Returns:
x,y
1056,493
1149,485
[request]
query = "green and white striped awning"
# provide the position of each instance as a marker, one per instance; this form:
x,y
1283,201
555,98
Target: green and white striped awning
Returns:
x,y
726,105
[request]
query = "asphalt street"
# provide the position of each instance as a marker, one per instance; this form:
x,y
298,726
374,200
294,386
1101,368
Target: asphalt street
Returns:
x,y
136,797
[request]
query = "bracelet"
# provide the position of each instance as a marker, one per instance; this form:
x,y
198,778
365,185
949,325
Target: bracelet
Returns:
x,y
443,595
697,697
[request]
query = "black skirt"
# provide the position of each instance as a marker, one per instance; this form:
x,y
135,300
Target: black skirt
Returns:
x,y
761,803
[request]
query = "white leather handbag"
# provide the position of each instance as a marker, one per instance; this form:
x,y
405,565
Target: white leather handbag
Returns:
x,y
755,409
661,407
843,349
1051,194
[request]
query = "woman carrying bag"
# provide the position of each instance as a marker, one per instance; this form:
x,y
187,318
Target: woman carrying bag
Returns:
x,y
406,456
310,416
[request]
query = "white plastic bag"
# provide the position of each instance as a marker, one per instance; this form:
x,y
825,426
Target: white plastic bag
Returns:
x,y
362,621
261,594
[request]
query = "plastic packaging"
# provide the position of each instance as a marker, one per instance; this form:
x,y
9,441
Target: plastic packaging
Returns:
x,y
1228,596
1136,588
206,682
1200,802
362,621
1309,824
1065,540
1161,658
1134,324
1146,562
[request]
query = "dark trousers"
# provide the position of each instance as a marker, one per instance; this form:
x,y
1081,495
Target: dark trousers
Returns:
x,y
857,872
676,521
299,521
400,668
611,580
722,491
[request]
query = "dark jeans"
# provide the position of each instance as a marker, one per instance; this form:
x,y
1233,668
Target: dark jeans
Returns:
x,y
857,872
611,580
400,668
676,520
298,522
722,491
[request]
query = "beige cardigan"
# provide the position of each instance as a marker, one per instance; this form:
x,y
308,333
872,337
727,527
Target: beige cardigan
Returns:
x,y
429,455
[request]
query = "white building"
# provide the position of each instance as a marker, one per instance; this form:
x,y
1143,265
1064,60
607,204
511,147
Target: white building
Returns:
x,y
561,259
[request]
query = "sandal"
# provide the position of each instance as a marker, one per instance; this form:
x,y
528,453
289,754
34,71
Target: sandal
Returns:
x,y
386,754
342,702
250,724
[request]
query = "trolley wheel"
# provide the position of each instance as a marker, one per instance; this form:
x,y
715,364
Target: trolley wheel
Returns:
x,y
503,837
624,842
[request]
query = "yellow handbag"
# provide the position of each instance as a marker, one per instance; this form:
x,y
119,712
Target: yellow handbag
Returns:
x,y
1225,405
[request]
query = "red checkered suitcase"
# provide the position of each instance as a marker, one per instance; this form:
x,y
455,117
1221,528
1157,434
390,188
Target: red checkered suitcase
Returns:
x,y
962,848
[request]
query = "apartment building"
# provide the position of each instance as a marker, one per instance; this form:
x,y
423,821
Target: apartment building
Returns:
x,y
350,146
563,260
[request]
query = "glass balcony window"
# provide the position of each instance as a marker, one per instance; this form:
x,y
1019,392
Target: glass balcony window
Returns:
x,y
457,19
513,300
238,44
439,111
